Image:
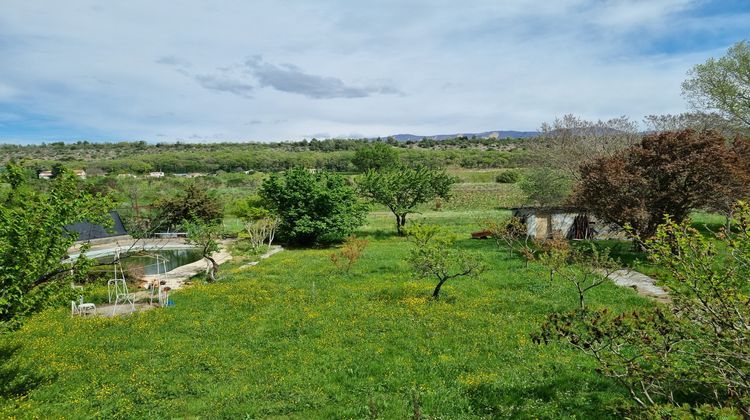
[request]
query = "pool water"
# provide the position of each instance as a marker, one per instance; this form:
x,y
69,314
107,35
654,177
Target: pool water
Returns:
x,y
146,261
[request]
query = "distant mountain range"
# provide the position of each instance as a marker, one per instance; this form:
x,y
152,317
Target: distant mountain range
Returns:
x,y
501,134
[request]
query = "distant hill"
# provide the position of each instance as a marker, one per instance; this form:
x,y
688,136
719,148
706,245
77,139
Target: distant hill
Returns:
x,y
501,134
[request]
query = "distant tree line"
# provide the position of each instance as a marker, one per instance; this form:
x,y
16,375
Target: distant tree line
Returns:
x,y
238,158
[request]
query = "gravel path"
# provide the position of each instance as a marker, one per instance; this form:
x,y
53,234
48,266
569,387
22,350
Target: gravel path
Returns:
x,y
643,284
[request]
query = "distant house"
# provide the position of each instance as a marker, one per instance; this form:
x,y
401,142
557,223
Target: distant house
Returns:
x,y
88,231
156,174
569,222
80,173
190,175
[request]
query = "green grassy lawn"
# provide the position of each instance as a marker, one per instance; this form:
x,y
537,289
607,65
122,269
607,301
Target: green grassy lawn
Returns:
x,y
706,223
293,337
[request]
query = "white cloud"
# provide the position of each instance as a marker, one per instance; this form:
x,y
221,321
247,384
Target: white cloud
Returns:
x,y
150,70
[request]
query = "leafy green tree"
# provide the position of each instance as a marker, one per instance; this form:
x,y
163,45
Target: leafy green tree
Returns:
x,y
34,243
314,207
433,254
250,209
14,174
377,156
404,188
58,169
193,205
545,186
722,84
206,238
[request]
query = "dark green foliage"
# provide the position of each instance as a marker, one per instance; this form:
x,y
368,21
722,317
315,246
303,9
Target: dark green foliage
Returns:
x,y
33,244
193,204
314,207
58,169
508,177
377,156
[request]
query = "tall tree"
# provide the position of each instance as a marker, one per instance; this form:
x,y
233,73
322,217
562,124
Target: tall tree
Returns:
x,y
567,142
34,243
723,84
377,156
403,188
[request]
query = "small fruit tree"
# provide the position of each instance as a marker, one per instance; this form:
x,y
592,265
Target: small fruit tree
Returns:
x,y
433,254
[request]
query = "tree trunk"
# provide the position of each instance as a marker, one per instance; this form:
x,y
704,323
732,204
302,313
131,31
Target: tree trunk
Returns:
x,y
436,293
213,270
400,223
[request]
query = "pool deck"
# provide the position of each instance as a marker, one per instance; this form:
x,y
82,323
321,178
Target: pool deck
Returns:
x,y
176,278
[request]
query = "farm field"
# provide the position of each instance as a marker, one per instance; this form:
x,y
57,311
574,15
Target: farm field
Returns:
x,y
294,337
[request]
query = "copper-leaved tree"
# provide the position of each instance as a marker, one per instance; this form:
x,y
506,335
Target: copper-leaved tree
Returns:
x,y
672,172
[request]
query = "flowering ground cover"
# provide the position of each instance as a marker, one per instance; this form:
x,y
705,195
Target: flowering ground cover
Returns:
x,y
295,337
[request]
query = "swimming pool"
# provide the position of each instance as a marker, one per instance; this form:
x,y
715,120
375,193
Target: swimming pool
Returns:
x,y
146,260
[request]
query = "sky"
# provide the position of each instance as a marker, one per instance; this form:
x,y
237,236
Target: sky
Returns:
x,y
205,71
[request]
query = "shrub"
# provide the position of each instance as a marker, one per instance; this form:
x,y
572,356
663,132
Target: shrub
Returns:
x,y
508,177
193,204
313,207
349,253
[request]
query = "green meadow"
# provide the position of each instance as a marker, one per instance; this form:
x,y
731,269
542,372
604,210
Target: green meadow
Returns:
x,y
295,338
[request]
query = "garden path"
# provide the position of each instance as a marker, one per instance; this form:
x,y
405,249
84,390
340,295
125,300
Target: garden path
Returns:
x,y
643,284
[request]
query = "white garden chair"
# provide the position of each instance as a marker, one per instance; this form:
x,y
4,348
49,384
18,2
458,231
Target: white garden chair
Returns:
x,y
81,308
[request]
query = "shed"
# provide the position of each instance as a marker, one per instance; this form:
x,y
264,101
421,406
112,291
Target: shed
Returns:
x,y
570,222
